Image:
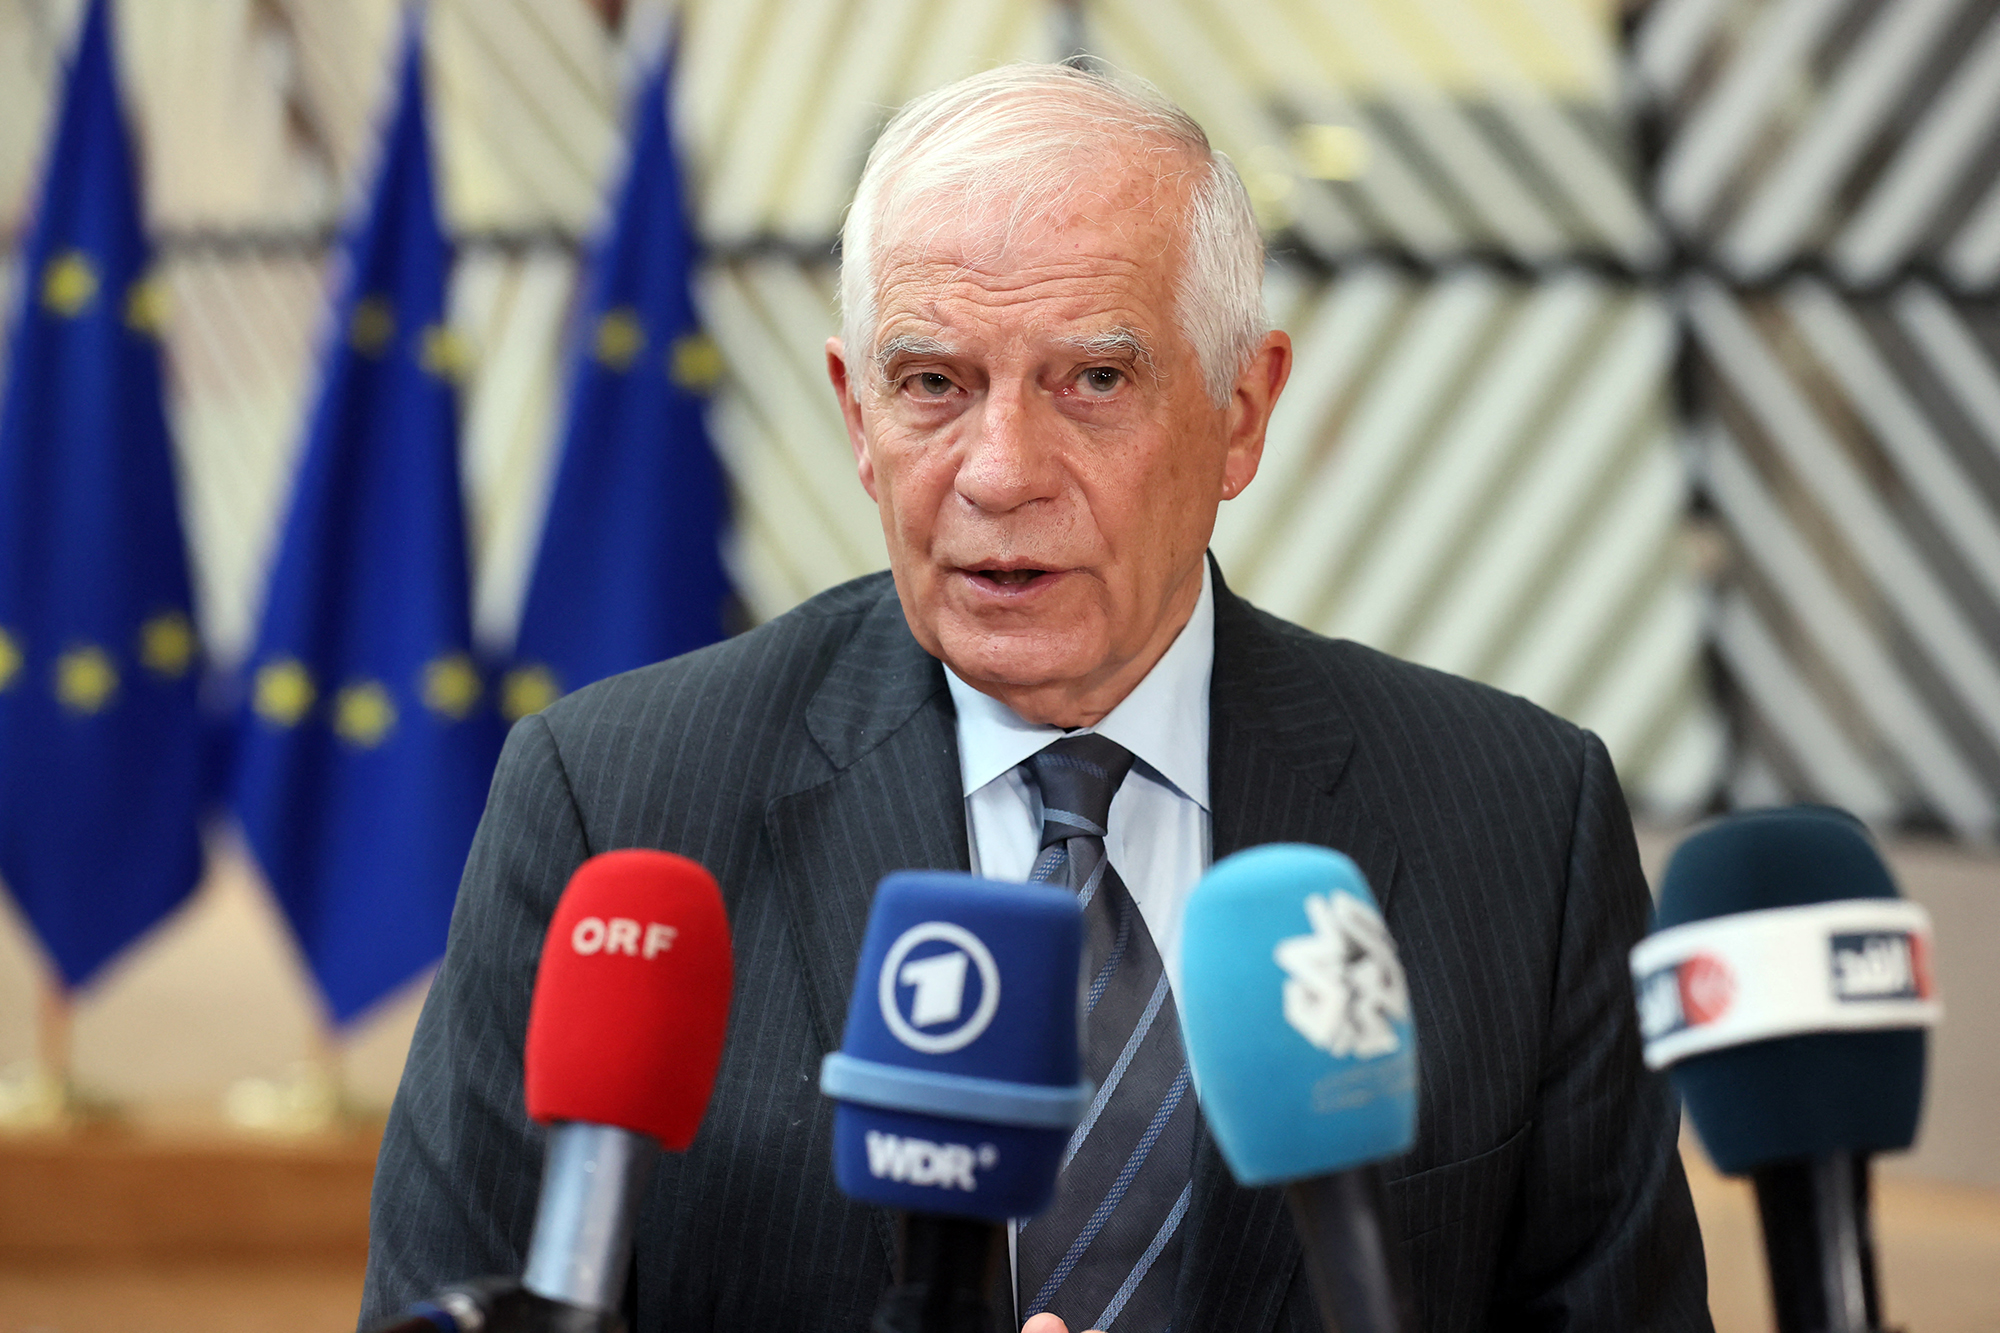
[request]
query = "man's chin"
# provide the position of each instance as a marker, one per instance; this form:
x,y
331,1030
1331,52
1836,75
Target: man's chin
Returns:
x,y
1013,660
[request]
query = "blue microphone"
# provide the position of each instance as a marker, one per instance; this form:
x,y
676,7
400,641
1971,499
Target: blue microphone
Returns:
x,y
1787,989
958,1080
1296,1019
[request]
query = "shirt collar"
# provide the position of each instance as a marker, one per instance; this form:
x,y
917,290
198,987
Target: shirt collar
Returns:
x,y
1164,720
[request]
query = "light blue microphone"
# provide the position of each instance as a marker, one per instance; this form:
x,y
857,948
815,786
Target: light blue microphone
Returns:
x,y
1296,1019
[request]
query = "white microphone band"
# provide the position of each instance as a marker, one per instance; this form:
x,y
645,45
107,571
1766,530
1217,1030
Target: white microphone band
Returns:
x,y
1850,965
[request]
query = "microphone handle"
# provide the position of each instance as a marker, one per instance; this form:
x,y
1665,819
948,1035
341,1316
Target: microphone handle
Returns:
x,y
1359,1274
592,1184
1820,1244
498,1305
946,1269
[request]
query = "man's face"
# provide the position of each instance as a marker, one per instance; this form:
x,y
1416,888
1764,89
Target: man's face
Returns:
x,y
1035,430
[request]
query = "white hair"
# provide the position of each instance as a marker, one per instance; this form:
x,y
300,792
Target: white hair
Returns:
x,y
1026,133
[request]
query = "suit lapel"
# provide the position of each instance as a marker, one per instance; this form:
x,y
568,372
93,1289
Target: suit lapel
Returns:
x,y
883,718
1278,751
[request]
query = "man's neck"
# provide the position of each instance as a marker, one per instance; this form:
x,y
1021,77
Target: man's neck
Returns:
x,y
1164,720
1073,704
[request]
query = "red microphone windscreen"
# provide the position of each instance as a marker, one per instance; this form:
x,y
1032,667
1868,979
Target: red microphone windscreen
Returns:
x,y
631,998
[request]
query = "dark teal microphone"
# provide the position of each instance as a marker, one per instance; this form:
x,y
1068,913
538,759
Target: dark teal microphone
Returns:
x,y
1787,989
1296,1019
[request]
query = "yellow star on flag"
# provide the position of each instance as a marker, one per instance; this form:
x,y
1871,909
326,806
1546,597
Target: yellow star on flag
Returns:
x,y
69,283
167,644
373,326
451,686
620,338
86,680
146,305
443,353
695,362
527,690
10,660
283,692
363,714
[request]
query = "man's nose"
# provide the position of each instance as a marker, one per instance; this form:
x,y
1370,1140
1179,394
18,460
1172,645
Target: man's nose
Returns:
x,y
1012,456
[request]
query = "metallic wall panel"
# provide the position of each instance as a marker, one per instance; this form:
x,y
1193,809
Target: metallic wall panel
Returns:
x,y
1831,172
1845,448
1437,127
1478,472
1859,134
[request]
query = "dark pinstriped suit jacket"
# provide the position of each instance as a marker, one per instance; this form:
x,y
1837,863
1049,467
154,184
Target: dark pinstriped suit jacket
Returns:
x,y
804,760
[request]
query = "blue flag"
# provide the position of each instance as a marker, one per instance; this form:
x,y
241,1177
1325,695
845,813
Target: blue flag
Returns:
x,y
367,737
630,568
101,738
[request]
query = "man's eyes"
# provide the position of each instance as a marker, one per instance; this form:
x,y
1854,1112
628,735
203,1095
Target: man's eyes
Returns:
x,y
928,384
1098,381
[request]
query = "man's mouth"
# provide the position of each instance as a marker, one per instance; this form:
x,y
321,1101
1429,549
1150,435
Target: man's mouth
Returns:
x,y
1008,578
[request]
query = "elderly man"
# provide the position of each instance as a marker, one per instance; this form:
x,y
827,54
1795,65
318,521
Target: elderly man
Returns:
x,y
1054,366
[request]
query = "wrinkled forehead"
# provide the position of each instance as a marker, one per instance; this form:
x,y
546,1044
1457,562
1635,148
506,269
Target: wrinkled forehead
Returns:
x,y
1110,243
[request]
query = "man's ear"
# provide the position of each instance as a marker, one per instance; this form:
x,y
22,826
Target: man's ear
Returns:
x,y
845,391
1250,403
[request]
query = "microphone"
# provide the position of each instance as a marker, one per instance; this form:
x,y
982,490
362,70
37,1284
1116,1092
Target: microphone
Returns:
x,y
958,1081
1787,988
624,1040
1296,1020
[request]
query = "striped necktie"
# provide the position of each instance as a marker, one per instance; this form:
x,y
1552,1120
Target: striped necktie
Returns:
x,y
1106,1253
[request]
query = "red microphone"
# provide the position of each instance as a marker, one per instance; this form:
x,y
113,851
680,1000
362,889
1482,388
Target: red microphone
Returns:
x,y
624,1038
631,998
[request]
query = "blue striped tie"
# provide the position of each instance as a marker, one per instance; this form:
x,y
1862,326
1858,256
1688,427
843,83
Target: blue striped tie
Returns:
x,y
1106,1253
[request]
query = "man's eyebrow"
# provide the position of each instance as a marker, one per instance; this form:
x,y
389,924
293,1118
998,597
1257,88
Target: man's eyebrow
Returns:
x,y
1120,341
910,344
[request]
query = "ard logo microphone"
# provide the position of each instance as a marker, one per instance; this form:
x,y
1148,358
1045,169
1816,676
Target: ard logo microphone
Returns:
x,y
939,987
959,1079
1295,1013
1787,990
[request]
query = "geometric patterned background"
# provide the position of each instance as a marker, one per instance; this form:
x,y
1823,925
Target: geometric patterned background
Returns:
x,y
1830,173
1852,135
1861,618
1659,387
1481,476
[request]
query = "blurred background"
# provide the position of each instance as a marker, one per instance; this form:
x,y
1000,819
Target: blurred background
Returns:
x,y
1648,366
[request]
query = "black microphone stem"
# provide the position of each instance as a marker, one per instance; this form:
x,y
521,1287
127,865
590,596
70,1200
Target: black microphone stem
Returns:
x,y
1358,1271
946,1269
1820,1244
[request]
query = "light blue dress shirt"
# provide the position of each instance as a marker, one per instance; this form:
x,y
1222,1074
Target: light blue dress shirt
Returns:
x,y
1158,835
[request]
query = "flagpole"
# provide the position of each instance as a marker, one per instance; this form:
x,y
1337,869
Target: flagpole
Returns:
x,y
330,1072
41,1095
307,1100
52,1036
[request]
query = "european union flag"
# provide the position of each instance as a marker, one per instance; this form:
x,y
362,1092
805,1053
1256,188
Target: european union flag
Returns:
x,y
101,738
630,568
367,739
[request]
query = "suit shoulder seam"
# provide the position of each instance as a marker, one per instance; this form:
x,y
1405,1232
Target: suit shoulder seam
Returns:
x,y
562,776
